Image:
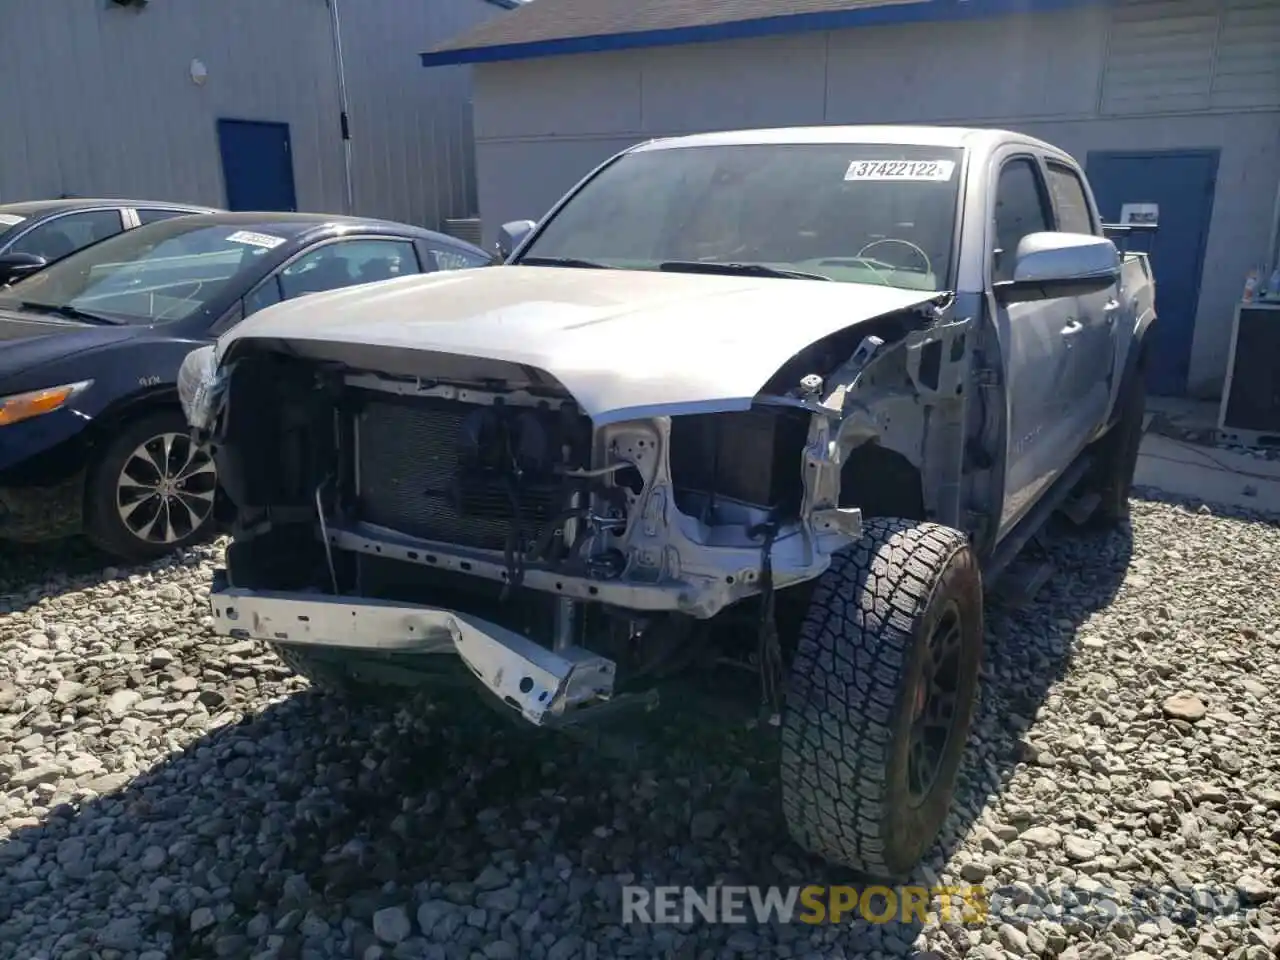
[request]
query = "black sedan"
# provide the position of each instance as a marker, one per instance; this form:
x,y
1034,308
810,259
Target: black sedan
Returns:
x,y
36,232
92,437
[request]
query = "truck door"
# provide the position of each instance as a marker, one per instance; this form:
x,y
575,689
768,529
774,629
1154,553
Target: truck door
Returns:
x,y
1093,344
1036,336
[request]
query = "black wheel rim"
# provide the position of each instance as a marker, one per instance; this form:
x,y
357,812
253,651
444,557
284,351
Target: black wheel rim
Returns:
x,y
935,704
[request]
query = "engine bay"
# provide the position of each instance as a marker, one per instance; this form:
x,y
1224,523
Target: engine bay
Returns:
x,y
390,484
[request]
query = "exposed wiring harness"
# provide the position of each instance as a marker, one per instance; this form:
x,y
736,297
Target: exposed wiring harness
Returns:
x,y
769,650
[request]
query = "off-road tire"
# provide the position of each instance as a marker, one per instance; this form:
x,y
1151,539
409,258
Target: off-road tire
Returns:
x,y
1117,455
102,522
855,676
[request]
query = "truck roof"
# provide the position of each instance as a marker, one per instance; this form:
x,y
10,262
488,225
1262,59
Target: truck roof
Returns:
x,y
921,135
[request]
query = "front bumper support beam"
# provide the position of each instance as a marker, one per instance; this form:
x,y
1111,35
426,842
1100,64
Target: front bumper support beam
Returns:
x,y
545,686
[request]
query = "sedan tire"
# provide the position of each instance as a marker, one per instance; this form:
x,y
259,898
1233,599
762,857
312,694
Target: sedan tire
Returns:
x,y
151,491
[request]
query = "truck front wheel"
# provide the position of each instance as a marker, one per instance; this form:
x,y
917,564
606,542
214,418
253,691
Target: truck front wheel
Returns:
x,y
881,697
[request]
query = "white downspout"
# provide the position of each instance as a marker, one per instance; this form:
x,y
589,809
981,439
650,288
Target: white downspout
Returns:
x,y
343,116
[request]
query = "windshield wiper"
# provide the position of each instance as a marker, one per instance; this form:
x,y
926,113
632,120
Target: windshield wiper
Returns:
x,y
560,262
741,269
66,311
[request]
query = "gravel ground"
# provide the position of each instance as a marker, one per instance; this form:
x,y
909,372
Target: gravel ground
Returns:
x,y
166,793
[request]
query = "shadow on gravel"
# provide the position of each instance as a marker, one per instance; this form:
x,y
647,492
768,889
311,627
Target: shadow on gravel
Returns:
x,y
30,572
290,829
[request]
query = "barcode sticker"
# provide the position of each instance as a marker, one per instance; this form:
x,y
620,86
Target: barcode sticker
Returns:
x,y
265,240
934,171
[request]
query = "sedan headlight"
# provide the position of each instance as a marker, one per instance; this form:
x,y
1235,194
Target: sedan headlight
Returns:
x,y
33,403
199,384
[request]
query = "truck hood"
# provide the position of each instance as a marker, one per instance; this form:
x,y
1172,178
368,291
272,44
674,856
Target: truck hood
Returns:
x,y
624,343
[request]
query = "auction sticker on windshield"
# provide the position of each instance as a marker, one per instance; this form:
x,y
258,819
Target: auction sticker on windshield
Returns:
x,y
264,240
937,171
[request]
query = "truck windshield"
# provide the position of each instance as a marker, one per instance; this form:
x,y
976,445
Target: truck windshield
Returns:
x,y
857,213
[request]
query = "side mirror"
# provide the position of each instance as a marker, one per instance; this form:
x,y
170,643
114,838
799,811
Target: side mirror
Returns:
x,y
1051,265
15,266
511,235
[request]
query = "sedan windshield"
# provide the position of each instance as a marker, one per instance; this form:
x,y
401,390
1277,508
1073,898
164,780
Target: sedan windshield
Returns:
x,y
857,213
163,271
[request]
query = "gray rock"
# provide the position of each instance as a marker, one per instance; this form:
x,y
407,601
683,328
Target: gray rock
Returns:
x,y
566,948
491,878
122,933
121,702
705,824
501,901
1080,849
34,776
67,691
1252,889
1044,838
202,918
974,871
430,912
1184,706
1014,940
391,925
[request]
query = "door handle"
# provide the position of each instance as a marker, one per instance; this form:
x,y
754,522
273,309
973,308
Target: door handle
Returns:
x,y
1073,327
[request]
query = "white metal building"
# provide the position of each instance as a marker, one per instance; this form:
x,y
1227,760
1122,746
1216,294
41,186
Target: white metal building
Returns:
x,y
239,103
1173,102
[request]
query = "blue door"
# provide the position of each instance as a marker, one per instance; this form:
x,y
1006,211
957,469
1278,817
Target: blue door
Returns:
x,y
1182,183
257,165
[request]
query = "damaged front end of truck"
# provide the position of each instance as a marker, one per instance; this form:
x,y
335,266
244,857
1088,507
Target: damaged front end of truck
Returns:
x,y
395,504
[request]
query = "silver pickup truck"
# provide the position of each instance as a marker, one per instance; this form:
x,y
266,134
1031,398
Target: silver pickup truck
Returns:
x,y
789,397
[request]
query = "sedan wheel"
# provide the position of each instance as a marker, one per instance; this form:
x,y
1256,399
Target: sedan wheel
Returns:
x,y
165,490
152,490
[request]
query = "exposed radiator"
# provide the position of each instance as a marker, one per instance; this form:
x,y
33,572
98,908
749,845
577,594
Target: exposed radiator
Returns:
x,y
408,478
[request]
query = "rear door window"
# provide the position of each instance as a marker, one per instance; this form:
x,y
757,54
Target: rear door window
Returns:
x,y
60,236
451,258
1069,200
346,263
151,215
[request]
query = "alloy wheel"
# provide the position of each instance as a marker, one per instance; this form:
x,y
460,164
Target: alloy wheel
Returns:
x,y
165,491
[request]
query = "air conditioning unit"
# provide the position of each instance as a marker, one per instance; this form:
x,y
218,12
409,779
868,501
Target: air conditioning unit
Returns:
x,y
467,229
1249,414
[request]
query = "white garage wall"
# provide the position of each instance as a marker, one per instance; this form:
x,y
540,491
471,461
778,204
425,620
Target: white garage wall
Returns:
x,y
1093,78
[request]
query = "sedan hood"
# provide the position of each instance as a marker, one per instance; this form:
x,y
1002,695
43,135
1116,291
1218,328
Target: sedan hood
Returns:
x,y
29,341
624,343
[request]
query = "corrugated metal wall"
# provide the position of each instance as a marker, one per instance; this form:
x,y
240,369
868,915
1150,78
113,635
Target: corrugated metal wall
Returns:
x,y
1123,75
414,152
98,100
1177,55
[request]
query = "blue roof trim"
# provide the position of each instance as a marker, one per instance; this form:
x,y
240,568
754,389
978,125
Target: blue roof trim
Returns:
x,y
924,12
